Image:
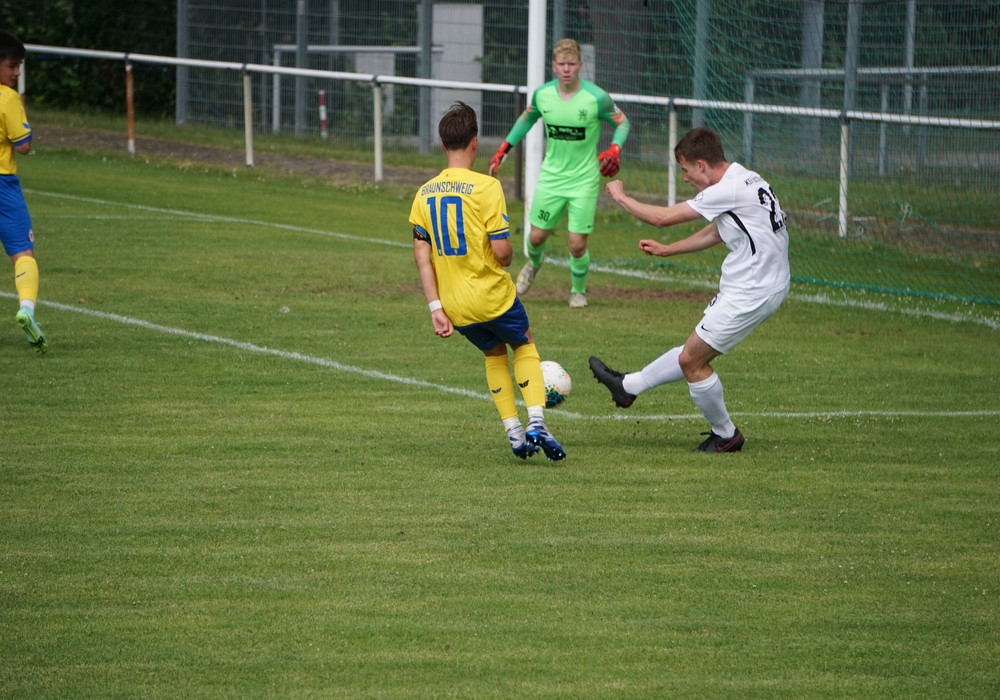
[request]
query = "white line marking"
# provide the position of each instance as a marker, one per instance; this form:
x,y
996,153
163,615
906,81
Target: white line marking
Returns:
x,y
226,219
251,347
481,395
112,217
823,299
992,323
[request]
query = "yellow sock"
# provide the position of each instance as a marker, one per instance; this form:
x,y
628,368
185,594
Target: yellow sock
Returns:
x,y
26,279
501,385
528,372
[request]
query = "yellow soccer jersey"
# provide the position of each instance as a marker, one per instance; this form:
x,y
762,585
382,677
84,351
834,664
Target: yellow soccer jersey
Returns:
x,y
459,212
14,128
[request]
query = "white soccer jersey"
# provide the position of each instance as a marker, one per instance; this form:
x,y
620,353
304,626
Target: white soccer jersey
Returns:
x,y
752,226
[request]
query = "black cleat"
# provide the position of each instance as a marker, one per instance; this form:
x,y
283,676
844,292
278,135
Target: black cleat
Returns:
x,y
714,443
613,381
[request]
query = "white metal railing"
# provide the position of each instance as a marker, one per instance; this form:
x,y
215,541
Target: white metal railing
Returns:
x,y
882,75
845,117
279,50
375,80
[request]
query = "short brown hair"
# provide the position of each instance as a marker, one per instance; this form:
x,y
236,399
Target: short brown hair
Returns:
x,y
11,47
568,48
458,126
701,143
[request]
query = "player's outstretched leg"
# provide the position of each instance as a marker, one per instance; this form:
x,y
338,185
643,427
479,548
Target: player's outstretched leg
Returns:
x,y
716,443
538,434
26,320
612,379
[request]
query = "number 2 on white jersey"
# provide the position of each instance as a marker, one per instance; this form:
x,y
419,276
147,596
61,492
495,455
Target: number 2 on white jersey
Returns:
x,y
768,199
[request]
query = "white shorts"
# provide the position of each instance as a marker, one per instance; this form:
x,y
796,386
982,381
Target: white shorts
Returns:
x,y
728,321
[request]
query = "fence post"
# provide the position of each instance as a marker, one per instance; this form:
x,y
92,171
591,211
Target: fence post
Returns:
x,y
748,89
882,131
519,155
129,106
671,162
323,132
921,129
845,139
276,95
248,114
377,123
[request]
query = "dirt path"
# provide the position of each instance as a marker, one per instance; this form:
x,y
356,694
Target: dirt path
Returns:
x,y
339,172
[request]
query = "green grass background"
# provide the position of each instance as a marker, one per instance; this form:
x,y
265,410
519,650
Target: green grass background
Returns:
x,y
248,468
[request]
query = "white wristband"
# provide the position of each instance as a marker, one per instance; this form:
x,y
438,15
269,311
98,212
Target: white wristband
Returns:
x,y
434,305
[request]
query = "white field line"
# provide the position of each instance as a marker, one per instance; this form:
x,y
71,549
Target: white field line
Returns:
x,y
115,217
823,299
252,347
481,395
224,219
375,374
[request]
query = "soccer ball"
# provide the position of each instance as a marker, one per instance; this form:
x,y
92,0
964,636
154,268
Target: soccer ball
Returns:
x,y
557,383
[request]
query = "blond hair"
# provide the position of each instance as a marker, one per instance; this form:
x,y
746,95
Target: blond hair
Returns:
x,y
566,48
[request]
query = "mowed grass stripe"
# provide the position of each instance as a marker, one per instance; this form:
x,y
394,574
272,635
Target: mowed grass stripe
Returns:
x,y
188,514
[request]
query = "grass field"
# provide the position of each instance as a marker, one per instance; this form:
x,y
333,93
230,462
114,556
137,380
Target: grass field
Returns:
x,y
248,468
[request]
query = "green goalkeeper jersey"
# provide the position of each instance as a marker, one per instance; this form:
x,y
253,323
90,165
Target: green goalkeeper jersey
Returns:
x,y
572,130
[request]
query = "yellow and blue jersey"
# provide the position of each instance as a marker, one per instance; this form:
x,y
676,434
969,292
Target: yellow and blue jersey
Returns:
x,y
14,128
15,224
459,212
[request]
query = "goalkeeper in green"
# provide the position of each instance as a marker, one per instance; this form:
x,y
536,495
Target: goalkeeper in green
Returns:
x,y
572,110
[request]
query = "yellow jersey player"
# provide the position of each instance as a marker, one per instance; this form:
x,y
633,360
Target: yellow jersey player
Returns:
x,y
572,110
15,224
461,245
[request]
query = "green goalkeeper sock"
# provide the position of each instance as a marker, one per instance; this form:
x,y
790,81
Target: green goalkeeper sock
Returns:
x,y
535,254
579,268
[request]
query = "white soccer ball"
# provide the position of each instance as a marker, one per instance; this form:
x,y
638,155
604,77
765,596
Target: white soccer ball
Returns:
x,y
557,383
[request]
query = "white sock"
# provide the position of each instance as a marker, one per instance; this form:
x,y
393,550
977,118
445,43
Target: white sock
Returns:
x,y
666,368
515,431
536,421
707,395
28,304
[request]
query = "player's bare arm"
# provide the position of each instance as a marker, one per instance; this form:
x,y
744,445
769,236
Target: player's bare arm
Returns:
x,y
503,251
650,213
705,238
422,257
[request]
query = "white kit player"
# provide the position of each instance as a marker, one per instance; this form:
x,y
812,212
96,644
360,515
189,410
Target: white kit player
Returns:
x,y
745,215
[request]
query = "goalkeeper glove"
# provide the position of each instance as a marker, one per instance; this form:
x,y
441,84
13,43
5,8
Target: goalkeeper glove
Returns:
x,y
498,158
609,160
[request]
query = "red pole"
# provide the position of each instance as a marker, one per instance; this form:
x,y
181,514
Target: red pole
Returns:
x,y
322,114
130,108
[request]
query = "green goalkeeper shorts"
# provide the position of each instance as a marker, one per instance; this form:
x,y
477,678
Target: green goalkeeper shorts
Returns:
x,y
547,210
